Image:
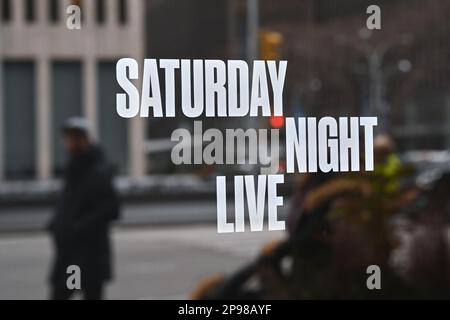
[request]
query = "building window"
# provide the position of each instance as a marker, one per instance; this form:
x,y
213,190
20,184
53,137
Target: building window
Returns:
x,y
6,10
19,100
53,10
113,130
30,11
100,11
123,11
66,102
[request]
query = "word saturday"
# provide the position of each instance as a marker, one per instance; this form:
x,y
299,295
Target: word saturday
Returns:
x,y
211,88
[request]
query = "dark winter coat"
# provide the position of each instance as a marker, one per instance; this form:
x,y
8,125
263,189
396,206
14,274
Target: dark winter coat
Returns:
x,y
80,226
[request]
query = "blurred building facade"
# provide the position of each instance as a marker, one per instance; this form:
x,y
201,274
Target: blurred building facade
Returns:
x,y
50,72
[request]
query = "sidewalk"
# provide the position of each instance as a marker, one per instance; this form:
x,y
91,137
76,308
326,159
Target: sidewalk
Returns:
x,y
36,218
158,187
21,219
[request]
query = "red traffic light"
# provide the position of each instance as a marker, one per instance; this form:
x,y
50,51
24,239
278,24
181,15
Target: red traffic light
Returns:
x,y
276,122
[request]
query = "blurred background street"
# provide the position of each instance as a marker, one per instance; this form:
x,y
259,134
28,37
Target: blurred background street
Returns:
x,y
166,239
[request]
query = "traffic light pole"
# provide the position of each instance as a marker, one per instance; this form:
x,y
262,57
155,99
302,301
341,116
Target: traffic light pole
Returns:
x,y
252,30
252,47
2,112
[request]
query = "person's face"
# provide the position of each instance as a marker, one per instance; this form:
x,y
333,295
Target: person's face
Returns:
x,y
75,142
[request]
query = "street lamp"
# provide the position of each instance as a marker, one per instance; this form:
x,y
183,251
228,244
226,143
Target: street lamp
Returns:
x,y
376,75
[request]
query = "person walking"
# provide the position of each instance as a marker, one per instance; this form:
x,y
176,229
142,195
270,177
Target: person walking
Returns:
x,y
80,227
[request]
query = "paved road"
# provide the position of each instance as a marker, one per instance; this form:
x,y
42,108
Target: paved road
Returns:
x,y
152,263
